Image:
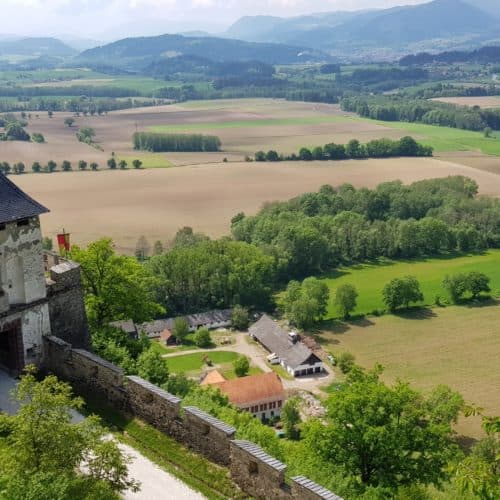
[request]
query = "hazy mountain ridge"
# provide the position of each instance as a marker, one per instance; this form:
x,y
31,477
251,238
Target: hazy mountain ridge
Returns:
x,y
462,21
36,46
138,53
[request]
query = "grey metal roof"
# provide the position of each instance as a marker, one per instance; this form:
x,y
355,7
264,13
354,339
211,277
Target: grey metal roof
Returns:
x,y
155,328
316,488
16,204
154,389
207,318
128,326
218,424
260,454
276,341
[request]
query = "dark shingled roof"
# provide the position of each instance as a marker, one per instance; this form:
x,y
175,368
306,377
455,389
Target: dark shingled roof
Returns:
x,y
316,488
260,454
15,204
276,341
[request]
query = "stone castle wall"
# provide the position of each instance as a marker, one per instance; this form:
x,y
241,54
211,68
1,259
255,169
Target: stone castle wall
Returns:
x,y
66,302
255,472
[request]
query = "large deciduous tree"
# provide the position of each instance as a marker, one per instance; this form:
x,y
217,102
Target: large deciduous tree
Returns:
x,y
116,286
386,436
401,292
46,456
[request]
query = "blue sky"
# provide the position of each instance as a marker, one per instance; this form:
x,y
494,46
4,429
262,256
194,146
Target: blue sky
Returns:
x,y
106,19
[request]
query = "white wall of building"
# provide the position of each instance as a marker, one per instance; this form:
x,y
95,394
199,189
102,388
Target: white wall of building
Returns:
x,y
21,262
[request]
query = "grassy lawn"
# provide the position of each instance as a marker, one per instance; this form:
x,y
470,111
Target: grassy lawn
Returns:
x,y
370,278
312,120
229,373
456,346
281,372
149,161
194,362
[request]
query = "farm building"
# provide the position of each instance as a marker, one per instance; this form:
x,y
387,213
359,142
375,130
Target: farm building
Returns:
x,y
167,337
153,329
297,359
261,395
32,305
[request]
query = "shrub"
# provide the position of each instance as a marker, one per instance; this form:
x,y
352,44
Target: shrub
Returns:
x,y
39,138
346,362
241,366
202,338
239,318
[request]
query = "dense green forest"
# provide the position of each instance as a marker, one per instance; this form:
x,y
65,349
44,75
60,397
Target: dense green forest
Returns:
x,y
422,111
157,142
315,232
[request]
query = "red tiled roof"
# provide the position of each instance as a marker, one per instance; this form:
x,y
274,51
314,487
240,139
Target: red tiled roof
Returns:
x,y
166,334
245,390
213,377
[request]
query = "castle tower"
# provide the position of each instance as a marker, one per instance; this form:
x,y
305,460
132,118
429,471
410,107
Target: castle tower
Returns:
x,y
24,310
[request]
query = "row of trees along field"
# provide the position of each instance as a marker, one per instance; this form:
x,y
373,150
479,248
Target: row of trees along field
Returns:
x,y
401,109
75,103
353,150
65,166
406,422
158,142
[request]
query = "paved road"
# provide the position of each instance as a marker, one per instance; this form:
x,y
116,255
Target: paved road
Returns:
x,y
156,484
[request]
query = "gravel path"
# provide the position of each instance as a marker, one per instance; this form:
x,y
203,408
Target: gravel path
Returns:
x,y
156,484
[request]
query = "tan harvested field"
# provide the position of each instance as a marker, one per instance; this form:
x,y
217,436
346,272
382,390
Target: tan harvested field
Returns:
x,y
157,202
456,346
244,126
483,102
472,159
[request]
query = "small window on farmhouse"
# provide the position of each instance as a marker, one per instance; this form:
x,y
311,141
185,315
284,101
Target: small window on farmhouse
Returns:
x,y
253,468
205,430
24,222
2,227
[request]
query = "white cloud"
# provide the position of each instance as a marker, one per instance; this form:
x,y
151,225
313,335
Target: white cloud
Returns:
x,y
87,18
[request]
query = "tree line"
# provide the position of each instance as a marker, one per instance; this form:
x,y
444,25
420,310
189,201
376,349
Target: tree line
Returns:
x,y
316,232
158,142
66,166
395,109
353,150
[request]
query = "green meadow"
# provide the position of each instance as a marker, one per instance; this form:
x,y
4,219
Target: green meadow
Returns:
x,y
149,161
309,120
370,278
446,139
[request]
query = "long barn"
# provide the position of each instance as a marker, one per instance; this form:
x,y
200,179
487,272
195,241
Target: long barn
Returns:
x,y
297,359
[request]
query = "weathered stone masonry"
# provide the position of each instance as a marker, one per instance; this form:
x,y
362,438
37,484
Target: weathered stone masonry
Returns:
x,y
255,472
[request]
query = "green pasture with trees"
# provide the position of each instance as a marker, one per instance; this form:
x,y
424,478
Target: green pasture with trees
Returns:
x,y
371,278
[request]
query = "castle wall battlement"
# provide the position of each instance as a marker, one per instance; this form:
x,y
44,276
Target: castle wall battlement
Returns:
x,y
255,472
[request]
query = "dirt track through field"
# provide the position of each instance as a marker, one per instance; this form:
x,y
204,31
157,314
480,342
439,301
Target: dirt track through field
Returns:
x,y
156,203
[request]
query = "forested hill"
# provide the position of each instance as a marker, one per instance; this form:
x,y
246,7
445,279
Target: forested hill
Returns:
x,y
451,22
138,53
484,55
51,47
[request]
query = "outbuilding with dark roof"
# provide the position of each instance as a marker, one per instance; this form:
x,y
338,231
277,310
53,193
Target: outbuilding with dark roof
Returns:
x,y
297,359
